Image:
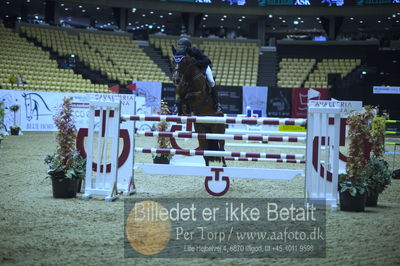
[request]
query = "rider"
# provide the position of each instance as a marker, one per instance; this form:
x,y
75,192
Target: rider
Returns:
x,y
203,62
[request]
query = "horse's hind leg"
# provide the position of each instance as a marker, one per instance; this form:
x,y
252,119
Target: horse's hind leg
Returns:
x,y
206,160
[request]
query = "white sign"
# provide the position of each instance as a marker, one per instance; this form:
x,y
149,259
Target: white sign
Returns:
x,y
386,90
347,107
37,108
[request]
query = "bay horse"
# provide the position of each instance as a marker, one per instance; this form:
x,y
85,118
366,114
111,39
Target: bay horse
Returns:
x,y
193,97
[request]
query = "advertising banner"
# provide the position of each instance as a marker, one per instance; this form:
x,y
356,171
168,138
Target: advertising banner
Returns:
x,y
300,99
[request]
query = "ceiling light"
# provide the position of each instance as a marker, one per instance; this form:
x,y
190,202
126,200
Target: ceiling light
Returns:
x,y
318,18
98,8
66,9
206,15
161,16
61,4
284,21
302,21
394,15
143,15
221,26
379,21
270,16
83,10
361,21
169,13
80,6
224,16
133,10
280,17
298,18
152,12
222,19
7,3
238,27
28,1
295,22
129,24
351,18
240,19
243,17
204,25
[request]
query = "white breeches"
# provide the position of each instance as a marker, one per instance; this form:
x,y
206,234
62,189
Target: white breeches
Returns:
x,y
210,77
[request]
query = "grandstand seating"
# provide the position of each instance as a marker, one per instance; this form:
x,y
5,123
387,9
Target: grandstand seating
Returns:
x,y
116,56
319,78
22,58
235,63
306,72
294,71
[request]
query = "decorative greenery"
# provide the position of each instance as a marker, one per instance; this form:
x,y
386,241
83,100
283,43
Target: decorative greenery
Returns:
x,y
377,174
378,135
66,162
163,142
14,108
352,185
15,128
360,136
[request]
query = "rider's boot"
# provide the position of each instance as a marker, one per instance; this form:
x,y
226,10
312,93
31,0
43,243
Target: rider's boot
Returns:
x,y
217,106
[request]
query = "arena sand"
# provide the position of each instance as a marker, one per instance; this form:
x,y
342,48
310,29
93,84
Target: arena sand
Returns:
x,y
38,229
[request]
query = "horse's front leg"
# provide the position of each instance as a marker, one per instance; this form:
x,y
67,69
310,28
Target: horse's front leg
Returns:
x,y
178,105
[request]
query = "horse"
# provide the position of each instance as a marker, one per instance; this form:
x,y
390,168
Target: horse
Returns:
x,y
193,97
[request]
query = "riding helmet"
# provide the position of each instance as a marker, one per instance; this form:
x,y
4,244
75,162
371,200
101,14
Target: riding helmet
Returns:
x,y
184,43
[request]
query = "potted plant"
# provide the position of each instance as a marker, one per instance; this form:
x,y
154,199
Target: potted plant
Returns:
x,y
66,166
352,185
377,173
14,128
163,142
378,176
2,114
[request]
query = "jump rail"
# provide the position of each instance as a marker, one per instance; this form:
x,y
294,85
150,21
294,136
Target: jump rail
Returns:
x,y
215,120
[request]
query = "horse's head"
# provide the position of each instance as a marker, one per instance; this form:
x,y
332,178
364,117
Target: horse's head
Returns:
x,y
29,106
180,63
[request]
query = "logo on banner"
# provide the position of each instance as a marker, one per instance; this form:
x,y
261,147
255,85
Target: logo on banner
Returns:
x,y
312,95
280,103
35,106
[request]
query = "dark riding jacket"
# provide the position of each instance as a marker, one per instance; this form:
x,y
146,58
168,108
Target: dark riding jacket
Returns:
x,y
202,61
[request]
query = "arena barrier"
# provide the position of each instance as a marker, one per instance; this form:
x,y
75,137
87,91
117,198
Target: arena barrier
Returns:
x,y
323,139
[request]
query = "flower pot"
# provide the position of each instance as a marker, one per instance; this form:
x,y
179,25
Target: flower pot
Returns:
x,y
372,200
78,185
161,160
350,203
14,131
64,188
